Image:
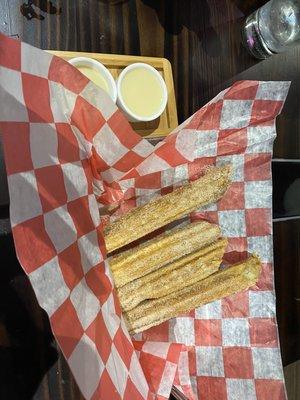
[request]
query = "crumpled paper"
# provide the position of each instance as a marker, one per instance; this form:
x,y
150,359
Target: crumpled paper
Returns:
x,y
71,156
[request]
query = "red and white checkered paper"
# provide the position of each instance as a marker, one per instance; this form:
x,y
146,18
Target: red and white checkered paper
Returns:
x,y
70,153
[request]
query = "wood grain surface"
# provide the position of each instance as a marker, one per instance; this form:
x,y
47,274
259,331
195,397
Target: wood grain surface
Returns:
x,y
202,41
292,380
287,284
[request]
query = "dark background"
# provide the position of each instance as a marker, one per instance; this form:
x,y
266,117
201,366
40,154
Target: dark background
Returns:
x,y
202,41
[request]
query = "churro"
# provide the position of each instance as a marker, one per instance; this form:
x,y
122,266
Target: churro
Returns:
x,y
166,248
174,276
159,212
220,284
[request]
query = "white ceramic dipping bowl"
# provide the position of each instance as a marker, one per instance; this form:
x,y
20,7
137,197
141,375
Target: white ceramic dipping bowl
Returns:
x,y
120,100
101,69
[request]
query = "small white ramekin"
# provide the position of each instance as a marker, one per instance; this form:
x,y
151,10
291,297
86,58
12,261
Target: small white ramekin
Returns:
x,y
105,73
120,102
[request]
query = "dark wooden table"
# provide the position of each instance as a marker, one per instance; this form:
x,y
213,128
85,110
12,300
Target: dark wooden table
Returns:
x,y
202,41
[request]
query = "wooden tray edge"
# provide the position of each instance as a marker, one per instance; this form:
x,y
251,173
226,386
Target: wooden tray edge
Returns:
x,y
121,59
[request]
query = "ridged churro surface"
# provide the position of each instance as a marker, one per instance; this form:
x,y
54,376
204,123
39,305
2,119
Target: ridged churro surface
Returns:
x,y
159,212
174,276
218,285
166,248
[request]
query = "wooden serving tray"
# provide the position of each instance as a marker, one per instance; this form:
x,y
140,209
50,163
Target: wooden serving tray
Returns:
x,y
115,63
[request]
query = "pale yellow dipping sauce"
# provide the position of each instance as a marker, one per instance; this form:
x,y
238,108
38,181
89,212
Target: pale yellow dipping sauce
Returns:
x,y
95,76
141,92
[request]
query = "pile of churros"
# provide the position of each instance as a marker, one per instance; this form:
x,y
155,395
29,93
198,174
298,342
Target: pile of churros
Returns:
x,y
178,270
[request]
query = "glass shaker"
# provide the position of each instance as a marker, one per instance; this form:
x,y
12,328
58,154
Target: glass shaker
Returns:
x,y
273,28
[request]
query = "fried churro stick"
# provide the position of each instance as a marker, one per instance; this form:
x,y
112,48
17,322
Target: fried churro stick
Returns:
x,y
223,283
155,253
176,275
160,212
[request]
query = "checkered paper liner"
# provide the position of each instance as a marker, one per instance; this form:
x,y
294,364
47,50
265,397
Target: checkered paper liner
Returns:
x,y
69,154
